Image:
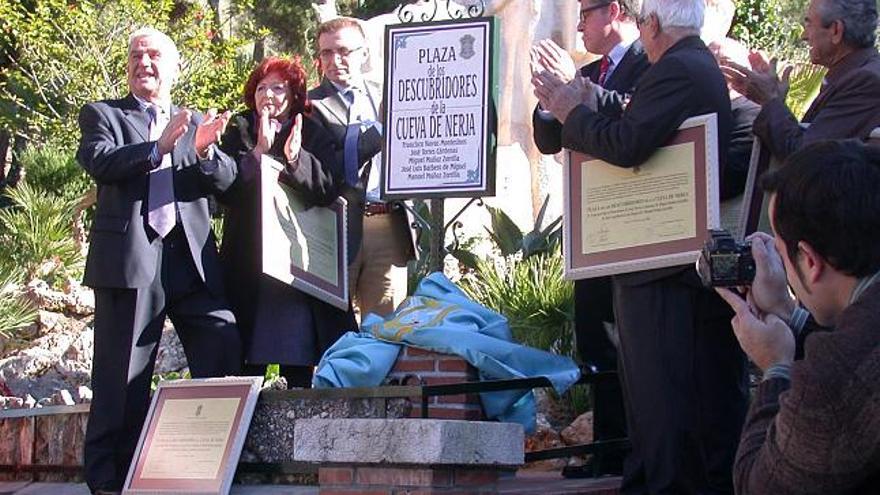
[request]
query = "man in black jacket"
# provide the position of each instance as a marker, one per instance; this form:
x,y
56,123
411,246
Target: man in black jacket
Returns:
x,y
152,252
607,29
683,373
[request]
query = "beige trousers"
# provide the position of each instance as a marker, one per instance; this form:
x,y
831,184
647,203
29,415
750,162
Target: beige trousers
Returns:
x,y
377,277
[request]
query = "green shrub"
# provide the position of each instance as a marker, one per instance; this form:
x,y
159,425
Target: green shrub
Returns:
x,y
537,301
15,312
171,375
532,294
36,235
54,171
772,25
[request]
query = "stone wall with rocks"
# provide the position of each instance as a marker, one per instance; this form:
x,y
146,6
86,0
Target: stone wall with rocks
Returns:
x,y
50,361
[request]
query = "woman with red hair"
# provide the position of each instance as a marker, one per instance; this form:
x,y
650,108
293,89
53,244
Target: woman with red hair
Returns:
x,y
279,324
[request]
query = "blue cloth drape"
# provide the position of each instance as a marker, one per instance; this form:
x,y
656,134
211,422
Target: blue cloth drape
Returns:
x,y
439,317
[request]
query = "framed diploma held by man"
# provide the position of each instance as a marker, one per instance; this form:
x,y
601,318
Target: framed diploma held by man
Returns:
x,y
658,214
303,246
193,435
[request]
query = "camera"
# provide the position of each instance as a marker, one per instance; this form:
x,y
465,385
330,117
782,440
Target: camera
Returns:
x,y
724,262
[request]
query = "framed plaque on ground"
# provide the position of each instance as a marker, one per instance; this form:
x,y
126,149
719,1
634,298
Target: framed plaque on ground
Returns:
x,y
304,246
655,215
192,437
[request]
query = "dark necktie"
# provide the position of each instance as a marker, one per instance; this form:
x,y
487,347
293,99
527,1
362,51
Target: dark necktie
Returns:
x,y
161,216
603,70
356,101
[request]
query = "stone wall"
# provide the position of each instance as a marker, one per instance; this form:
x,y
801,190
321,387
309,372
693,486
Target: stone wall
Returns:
x,y
51,437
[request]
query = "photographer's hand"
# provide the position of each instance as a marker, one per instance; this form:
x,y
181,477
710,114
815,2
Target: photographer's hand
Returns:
x,y
769,292
767,341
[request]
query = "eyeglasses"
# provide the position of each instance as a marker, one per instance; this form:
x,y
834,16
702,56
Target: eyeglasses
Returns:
x,y
641,19
343,52
585,12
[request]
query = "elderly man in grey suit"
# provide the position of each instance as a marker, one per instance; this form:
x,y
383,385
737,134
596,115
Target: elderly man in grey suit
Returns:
x,y
379,238
152,251
841,35
607,29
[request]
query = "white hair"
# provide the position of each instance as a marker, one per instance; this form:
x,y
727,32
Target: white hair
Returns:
x,y
152,32
717,19
687,14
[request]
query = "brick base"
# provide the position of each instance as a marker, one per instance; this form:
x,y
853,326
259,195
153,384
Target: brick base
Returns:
x,y
420,367
400,480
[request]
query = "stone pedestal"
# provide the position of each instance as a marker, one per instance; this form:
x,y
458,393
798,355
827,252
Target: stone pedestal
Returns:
x,y
396,456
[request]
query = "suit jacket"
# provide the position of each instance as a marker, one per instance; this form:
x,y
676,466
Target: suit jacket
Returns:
x,y
115,150
331,110
621,83
846,107
685,82
282,337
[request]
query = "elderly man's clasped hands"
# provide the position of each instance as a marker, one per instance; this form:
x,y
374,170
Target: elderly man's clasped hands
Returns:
x,y
557,85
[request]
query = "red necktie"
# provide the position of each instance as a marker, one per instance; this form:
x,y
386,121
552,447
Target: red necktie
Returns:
x,y
603,70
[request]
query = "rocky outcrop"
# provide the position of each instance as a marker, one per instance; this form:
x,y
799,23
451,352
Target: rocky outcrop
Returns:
x,y
51,364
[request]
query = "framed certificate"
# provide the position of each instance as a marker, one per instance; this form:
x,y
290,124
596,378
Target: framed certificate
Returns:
x,y
193,435
754,213
441,84
620,220
754,208
303,246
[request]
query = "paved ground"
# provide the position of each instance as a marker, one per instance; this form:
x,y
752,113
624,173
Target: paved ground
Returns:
x,y
523,483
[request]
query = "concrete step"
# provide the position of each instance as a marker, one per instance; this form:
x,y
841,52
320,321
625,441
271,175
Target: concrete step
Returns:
x,y
26,488
545,483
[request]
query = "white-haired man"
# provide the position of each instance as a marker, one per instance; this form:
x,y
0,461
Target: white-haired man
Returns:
x,y
608,28
152,252
683,373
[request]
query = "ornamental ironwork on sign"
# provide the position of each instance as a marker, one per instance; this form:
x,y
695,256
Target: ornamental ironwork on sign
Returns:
x,y
426,10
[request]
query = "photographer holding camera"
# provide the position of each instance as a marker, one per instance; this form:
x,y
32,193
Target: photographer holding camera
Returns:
x,y
814,424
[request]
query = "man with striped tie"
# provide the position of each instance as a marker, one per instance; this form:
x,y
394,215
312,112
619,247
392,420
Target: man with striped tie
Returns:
x,y
152,252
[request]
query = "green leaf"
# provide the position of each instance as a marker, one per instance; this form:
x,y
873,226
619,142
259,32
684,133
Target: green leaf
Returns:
x,y
540,219
466,258
15,311
805,83
533,243
507,236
